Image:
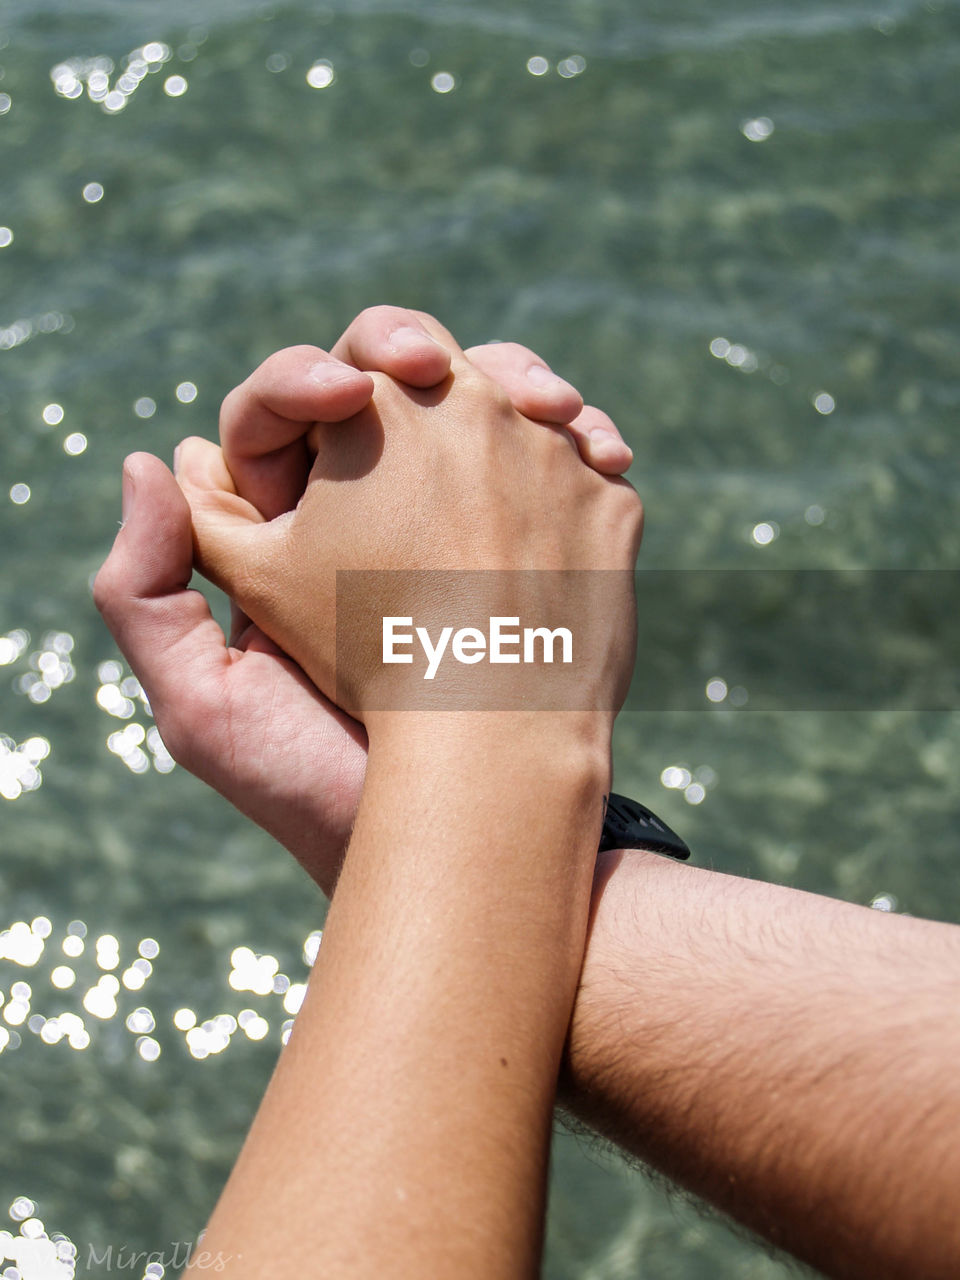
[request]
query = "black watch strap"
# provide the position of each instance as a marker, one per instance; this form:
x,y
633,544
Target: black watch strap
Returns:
x,y
628,824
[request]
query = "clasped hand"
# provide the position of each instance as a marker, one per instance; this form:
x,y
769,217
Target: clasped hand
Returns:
x,y
446,469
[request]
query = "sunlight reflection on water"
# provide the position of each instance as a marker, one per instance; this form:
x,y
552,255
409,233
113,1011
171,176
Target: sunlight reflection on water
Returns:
x,y
732,227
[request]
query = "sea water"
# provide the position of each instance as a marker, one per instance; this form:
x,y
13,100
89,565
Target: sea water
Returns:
x,y
734,227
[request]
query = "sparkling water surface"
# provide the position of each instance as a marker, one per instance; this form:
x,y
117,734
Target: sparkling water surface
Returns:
x,y
735,228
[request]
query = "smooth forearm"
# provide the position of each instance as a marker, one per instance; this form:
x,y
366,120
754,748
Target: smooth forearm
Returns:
x,y
408,1122
788,1057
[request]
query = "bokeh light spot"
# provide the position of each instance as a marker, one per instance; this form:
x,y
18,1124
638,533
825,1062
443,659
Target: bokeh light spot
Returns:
x,y
757,130
321,75
824,403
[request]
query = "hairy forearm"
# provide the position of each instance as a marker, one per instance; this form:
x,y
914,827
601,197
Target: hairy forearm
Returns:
x,y
788,1057
405,1131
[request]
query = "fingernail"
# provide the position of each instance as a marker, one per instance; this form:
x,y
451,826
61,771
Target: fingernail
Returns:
x,y
605,439
546,378
127,495
330,373
176,461
406,338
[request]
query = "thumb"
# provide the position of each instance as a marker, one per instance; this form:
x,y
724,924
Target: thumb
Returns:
x,y
232,542
163,628
151,558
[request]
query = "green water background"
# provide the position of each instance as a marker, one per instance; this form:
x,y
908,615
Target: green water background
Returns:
x,y
618,220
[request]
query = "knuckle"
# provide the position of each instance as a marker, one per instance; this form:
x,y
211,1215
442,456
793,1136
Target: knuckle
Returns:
x,y
386,390
498,395
631,508
560,444
474,382
230,405
425,318
276,362
628,493
376,316
302,351
508,352
278,367
630,501
498,398
105,587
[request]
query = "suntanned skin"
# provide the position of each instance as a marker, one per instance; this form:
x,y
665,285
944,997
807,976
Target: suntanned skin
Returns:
x,y
406,1129
407,1126
789,1057
251,701
786,1056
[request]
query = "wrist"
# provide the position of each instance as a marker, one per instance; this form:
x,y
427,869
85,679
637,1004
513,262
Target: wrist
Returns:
x,y
536,769
526,742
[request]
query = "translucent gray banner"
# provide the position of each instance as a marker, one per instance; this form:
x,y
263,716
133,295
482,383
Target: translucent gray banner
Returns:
x,y
812,640
484,639
797,639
